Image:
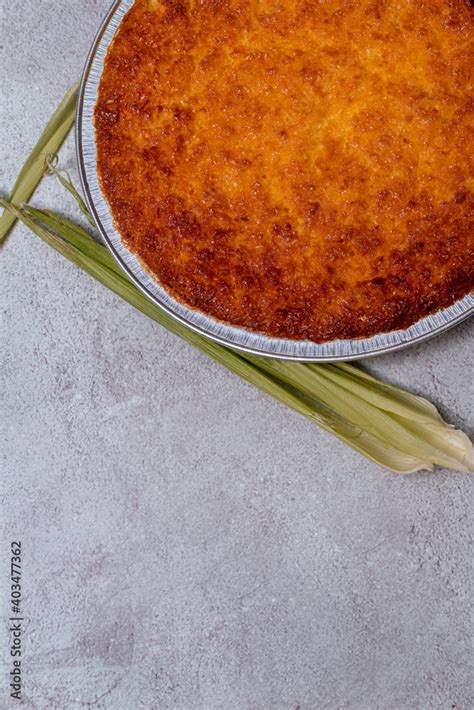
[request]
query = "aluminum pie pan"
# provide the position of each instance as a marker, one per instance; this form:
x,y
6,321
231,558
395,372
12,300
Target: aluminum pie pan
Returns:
x,y
231,336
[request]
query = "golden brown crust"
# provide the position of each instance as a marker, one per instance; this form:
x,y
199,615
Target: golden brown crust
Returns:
x,y
301,168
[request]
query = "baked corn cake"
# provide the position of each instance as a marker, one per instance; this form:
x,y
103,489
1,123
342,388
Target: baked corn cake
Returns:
x,y
300,168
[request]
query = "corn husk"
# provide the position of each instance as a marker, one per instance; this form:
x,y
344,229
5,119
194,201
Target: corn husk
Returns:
x,y
36,165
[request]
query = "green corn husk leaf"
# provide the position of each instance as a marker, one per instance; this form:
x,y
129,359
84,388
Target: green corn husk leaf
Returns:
x,y
411,437
453,442
311,407
70,230
35,166
381,394
75,235
414,413
66,182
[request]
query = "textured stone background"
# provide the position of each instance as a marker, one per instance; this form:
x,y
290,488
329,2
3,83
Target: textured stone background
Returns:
x,y
189,543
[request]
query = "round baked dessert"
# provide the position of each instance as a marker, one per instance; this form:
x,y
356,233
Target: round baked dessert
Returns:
x,y
300,168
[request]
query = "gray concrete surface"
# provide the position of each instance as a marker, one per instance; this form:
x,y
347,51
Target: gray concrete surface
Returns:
x,y
188,543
